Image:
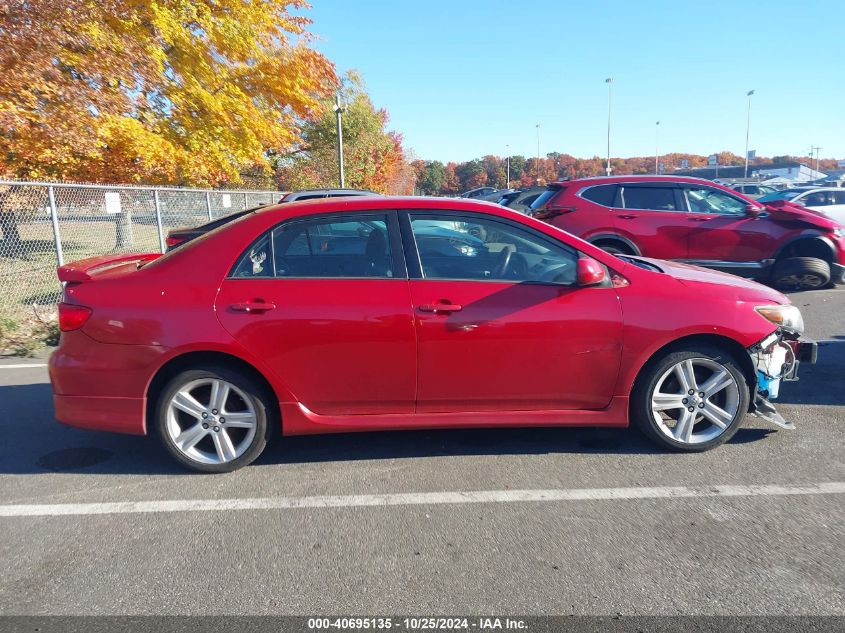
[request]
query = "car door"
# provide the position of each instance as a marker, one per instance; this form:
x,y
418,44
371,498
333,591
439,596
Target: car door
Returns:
x,y
324,301
650,214
723,230
500,323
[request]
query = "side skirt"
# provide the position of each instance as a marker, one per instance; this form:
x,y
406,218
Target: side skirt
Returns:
x,y
297,419
740,269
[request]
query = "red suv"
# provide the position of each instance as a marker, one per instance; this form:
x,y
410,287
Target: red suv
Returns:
x,y
699,222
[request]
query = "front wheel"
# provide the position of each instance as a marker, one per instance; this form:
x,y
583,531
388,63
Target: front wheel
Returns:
x,y
213,419
801,273
690,400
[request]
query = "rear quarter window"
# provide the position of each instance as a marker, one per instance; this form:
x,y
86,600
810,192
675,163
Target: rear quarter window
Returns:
x,y
600,194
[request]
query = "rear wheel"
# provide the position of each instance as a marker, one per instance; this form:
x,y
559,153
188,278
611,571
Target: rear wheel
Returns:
x,y
690,400
213,419
800,273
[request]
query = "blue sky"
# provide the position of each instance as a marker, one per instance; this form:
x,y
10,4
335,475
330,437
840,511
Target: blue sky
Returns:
x,y
464,78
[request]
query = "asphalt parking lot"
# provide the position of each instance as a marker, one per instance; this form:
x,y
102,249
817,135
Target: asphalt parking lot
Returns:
x,y
433,522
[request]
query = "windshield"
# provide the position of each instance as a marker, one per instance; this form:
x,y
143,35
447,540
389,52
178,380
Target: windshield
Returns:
x,y
229,221
543,198
787,194
640,263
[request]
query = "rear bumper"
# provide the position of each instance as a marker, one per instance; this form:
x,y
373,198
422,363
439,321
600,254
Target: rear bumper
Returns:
x,y
117,415
101,386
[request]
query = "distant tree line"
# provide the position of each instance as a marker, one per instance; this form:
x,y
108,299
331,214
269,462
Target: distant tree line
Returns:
x,y
447,179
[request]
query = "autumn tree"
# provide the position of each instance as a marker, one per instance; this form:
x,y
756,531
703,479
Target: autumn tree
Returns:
x,y
471,174
373,156
431,176
451,181
155,91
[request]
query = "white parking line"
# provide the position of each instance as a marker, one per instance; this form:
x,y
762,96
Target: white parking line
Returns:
x,y
23,365
417,498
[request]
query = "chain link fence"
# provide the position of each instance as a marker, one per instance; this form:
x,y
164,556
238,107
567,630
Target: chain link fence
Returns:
x,y
43,225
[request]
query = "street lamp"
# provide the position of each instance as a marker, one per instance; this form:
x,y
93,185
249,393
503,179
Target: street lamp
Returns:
x,y
508,152
339,110
748,131
815,149
656,145
609,82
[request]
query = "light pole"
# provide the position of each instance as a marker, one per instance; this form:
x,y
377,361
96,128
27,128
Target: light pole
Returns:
x,y
656,146
538,154
508,152
609,82
748,131
339,110
816,150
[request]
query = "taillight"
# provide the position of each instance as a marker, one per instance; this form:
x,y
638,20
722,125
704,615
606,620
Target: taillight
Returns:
x,y
551,212
72,317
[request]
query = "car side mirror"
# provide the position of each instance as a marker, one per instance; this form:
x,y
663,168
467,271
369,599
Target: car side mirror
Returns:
x,y
752,210
589,272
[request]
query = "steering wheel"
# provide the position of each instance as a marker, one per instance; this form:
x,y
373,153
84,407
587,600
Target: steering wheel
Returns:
x,y
503,262
510,265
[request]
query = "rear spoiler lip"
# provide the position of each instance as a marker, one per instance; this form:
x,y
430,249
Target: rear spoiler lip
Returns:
x,y
82,269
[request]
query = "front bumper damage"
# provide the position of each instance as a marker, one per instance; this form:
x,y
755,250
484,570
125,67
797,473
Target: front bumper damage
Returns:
x,y
776,359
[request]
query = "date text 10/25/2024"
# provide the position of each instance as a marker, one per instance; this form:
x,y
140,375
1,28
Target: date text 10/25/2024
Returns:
x,y
418,623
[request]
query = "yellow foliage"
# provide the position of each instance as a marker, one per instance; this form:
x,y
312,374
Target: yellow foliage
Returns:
x,y
190,92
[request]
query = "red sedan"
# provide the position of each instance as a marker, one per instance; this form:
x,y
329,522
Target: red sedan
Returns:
x,y
408,313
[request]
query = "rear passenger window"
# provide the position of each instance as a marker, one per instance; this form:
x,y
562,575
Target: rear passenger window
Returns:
x,y
257,261
651,198
321,247
333,248
600,194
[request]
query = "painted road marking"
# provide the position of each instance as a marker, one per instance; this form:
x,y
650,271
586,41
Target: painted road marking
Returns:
x,y
23,365
417,498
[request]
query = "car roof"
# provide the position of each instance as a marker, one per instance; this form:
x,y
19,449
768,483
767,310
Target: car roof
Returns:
x,y
595,180
364,204
363,192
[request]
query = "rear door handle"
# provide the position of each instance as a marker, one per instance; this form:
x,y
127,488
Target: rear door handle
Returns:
x,y
698,219
256,306
626,217
440,307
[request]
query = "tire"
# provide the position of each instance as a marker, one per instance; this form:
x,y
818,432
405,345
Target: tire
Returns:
x,y
800,273
666,423
212,443
614,248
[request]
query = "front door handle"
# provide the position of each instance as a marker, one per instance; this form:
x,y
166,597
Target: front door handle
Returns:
x,y
257,306
626,217
698,219
440,307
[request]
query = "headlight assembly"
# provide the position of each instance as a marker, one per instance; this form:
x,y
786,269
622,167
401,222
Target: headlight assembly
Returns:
x,y
788,317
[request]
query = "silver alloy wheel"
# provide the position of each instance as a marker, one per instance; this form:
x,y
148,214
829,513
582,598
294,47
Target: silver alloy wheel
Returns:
x,y
802,281
695,401
211,421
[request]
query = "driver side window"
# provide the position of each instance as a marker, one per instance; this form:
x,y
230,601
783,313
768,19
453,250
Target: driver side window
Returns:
x,y
708,200
474,248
